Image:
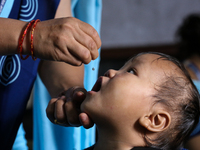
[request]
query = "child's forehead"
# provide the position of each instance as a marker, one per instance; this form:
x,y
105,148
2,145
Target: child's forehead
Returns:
x,y
154,61
146,58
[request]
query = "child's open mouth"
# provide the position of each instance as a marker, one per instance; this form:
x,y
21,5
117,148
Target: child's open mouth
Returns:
x,y
97,85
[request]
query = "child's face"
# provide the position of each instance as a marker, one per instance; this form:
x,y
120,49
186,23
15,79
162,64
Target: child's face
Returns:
x,y
123,96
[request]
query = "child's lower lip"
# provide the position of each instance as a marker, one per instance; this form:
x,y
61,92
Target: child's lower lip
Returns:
x,y
91,92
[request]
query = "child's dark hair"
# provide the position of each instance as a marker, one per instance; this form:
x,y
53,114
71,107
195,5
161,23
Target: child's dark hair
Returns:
x,y
180,96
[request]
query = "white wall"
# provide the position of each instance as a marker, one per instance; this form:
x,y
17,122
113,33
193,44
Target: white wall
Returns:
x,y
128,23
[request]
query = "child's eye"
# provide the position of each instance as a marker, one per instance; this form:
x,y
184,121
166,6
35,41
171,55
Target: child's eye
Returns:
x,y
132,71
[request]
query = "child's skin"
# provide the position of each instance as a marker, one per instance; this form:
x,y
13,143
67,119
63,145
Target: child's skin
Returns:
x,y
148,102
121,103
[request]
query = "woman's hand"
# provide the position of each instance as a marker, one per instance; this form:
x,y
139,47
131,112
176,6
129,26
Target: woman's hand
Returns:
x,y
66,39
65,110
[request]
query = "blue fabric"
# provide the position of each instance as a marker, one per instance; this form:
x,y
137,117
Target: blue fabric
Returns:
x,y
20,142
48,136
6,8
17,76
16,81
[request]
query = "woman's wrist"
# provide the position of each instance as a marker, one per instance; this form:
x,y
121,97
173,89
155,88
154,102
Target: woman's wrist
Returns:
x,y
25,41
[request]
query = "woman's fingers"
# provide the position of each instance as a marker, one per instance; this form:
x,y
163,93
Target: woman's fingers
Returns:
x,y
65,110
66,39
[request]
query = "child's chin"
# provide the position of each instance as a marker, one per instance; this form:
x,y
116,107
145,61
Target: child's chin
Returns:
x,y
86,107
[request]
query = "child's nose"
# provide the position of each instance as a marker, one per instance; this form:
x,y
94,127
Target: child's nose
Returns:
x,y
110,73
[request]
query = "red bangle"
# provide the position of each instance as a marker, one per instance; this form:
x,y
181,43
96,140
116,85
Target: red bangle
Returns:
x,y
32,33
20,48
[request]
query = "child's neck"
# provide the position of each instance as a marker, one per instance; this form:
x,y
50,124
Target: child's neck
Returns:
x,y
118,140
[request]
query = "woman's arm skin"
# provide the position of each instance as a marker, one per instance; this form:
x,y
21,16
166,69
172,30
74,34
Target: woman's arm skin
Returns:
x,y
65,39
64,9
59,77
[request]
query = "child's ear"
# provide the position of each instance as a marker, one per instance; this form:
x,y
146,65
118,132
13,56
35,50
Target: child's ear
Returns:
x,y
157,121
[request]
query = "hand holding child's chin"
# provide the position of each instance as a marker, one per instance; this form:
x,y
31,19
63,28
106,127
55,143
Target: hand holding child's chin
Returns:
x,y
65,110
85,120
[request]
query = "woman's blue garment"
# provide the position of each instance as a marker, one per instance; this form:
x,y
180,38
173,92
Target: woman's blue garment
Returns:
x,y
20,141
17,76
48,136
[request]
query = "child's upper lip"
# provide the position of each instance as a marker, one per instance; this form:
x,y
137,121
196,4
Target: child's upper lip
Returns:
x,y
97,85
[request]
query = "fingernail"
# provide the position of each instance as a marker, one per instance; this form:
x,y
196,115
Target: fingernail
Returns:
x,y
80,64
78,93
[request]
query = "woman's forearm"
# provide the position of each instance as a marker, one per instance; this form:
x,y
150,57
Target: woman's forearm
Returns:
x,y
10,31
64,9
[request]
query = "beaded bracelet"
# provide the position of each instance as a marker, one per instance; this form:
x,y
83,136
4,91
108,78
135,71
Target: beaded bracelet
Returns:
x,y
22,39
32,33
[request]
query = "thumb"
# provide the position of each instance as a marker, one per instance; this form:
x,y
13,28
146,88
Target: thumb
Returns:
x,y
85,120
